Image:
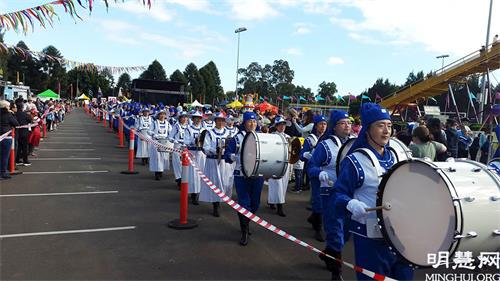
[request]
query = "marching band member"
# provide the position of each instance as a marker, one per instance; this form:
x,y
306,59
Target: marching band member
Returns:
x,y
158,157
322,170
213,145
193,133
233,130
208,123
144,122
356,189
228,176
319,128
278,187
248,189
177,137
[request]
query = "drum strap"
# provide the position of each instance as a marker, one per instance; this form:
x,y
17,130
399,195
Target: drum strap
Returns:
x,y
336,140
368,153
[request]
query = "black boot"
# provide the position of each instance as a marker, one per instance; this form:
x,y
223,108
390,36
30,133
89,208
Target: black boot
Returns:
x,y
178,181
144,160
216,206
194,199
157,176
244,229
272,206
318,228
332,265
280,210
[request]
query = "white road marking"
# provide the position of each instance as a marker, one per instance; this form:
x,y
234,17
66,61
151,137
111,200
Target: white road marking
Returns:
x,y
65,172
63,142
66,149
67,232
63,159
57,193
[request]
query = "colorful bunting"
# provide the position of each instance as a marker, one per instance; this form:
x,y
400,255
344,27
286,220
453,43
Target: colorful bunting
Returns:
x,y
45,14
319,98
365,97
497,96
472,96
88,67
301,98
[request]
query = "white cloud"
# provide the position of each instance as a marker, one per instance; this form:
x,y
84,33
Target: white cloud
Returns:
x,y
302,28
247,10
293,51
158,12
325,7
193,5
456,27
335,60
188,48
117,31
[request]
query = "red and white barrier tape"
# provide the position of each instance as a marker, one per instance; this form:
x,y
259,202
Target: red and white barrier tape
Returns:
x,y
258,220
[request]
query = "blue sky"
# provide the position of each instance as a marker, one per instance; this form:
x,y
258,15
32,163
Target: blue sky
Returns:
x,y
349,42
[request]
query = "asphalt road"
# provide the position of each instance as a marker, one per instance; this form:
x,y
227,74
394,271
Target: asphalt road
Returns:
x,y
122,219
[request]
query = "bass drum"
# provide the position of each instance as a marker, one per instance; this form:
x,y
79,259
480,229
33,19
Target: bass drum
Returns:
x,y
264,155
401,151
441,206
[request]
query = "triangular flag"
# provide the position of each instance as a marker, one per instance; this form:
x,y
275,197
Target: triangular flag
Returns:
x,y
471,96
365,97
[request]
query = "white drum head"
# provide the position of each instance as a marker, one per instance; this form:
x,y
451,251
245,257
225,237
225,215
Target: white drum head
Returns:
x,y
402,151
422,218
249,152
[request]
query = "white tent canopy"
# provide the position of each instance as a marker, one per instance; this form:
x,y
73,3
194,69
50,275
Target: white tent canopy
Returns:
x,y
196,103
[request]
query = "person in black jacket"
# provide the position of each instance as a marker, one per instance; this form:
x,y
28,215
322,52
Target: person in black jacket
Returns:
x,y
22,135
7,122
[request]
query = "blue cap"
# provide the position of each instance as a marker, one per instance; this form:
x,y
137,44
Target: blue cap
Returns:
x,y
336,116
372,112
249,115
279,119
218,115
319,118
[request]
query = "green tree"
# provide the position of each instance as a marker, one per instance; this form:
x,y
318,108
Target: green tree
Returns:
x,y
413,78
196,85
216,78
124,82
4,57
29,70
155,71
178,76
209,82
327,90
381,88
54,73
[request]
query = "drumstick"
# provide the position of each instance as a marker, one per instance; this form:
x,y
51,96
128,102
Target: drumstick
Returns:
x,y
385,206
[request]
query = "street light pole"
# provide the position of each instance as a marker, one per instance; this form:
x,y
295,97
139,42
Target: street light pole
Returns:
x,y
442,63
482,99
238,31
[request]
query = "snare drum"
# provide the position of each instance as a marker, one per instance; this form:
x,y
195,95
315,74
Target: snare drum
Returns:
x,y
167,146
264,155
441,206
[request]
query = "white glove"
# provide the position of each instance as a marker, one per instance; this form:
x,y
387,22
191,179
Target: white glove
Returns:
x,y
323,176
307,155
357,208
233,157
